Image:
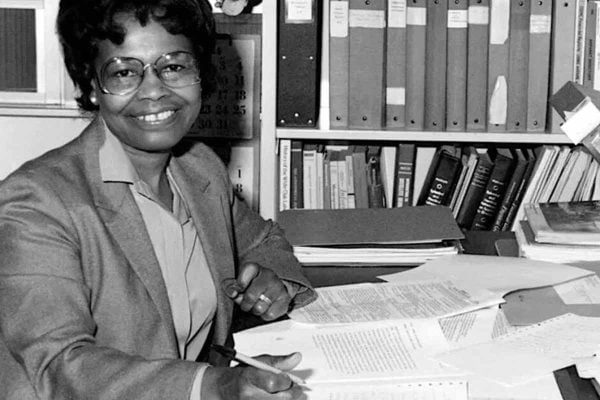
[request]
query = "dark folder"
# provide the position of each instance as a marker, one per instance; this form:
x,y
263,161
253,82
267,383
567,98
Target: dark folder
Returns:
x,y
298,63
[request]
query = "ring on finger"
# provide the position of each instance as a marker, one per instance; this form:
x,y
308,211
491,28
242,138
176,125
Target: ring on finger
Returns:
x,y
264,298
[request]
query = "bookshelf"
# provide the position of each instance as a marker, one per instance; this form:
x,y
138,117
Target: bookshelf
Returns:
x,y
271,134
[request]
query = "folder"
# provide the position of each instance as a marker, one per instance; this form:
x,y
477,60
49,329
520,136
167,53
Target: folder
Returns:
x,y
338,64
498,65
562,56
298,63
435,65
540,25
416,20
518,66
456,72
366,64
477,64
395,98
404,225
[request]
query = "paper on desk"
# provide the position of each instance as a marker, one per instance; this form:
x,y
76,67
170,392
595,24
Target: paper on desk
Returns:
x,y
392,300
530,352
544,388
500,275
580,291
433,390
588,367
380,350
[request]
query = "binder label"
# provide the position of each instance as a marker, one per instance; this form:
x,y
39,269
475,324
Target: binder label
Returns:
x,y
299,11
416,16
540,23
395,96
338,19
397,13
367,19
500,22
479,15
457,18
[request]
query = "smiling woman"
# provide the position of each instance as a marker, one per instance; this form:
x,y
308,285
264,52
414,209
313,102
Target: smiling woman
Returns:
x,y
126,251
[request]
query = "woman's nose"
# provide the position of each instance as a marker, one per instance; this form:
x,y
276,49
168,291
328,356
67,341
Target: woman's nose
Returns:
x,y
151,87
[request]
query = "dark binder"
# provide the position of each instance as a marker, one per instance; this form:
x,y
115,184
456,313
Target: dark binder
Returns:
x,y
395,65
298,64
516,118
498,65
416,14
339,50
456,80
366,64
441,177
435,65
477,64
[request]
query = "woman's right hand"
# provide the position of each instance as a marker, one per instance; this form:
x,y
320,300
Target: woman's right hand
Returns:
x,y
248,383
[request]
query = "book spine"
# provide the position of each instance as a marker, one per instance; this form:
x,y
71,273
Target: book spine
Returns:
x,y
285,151
404,174
474,193
296,191
443,183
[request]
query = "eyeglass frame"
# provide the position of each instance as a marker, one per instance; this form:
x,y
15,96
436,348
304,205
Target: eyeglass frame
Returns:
x,y
144,67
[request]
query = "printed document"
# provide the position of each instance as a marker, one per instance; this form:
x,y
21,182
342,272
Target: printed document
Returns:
x,y
432,390
394,300
580,291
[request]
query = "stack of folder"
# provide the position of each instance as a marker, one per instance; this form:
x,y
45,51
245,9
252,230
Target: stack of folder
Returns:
x,y
386,236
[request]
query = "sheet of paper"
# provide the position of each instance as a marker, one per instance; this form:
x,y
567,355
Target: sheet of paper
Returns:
x,y
544,388
395,300
580,291
475,327
500,275
588,367
530,352
358,351
433,390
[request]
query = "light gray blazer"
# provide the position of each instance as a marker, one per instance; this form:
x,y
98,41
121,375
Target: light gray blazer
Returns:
x,y
83,307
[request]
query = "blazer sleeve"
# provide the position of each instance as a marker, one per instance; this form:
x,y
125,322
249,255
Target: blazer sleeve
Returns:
x,y
45,308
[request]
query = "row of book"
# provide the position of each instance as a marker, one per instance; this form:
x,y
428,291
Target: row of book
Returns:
x,y
459,65
485,187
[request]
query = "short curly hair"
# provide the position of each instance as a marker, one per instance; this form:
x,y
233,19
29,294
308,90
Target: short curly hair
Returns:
x,y
82,24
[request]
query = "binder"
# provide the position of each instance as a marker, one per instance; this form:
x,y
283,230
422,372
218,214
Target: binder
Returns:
x,y
540,25
338,64
395,98
416,19
435,65
366,64
562,56
456,73
518,65
298,63
498,65
477,64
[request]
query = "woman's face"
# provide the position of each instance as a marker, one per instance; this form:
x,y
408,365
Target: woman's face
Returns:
x,y
154,117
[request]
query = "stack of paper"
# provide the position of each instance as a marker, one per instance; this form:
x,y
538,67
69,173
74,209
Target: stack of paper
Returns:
x,y
383,236
372,341
563,232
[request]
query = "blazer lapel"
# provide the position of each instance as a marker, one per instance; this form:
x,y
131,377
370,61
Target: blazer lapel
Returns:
x,y
208,213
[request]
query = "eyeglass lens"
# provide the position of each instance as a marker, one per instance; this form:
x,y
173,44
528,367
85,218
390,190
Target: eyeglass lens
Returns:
x,y
123,75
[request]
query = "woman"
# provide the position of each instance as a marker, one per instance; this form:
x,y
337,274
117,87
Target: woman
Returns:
x,y
125,250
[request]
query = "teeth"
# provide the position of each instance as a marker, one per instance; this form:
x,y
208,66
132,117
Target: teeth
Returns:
x,y
156,117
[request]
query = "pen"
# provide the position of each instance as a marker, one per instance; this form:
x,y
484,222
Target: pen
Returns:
x,y
235,355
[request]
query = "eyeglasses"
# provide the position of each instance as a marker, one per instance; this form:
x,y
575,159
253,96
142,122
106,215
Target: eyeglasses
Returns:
x,y
124,75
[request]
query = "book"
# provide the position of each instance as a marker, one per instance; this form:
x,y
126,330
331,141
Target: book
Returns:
x,y
538,65
523,185
359,167
416,22
285,152
296,188
502,169
591,71
375,189
388,166
298,63
435,65
349,173
366,64
469,160
441,178
518,63
395,98
521,164
565,222
498,58
475,190
477,61
339,50
579,47
404,182
573,173
456,66
423,160
552,175
309,175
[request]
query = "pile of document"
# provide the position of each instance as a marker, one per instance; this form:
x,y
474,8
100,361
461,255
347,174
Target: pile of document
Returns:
x,y
405,236
432,332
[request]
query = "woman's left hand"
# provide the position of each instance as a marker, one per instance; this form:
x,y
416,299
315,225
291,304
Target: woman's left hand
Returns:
x,y
260,291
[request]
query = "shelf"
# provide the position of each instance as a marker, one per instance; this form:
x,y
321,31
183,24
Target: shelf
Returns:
x,y
422,136
40,111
